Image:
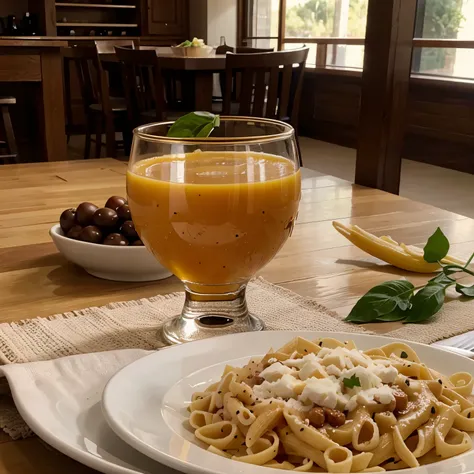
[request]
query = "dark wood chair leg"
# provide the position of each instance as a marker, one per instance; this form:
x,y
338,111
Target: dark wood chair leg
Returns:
x,y
127,141
98,136
110,144
87,144
9,134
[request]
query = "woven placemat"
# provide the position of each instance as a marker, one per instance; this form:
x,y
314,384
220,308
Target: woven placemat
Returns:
x,y
134,324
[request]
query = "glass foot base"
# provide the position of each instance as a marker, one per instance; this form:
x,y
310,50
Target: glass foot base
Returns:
x,y
180,329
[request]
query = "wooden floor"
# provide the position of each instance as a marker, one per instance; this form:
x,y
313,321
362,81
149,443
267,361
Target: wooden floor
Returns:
x,y
440,187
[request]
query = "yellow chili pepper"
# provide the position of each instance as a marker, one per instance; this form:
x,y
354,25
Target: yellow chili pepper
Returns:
x,y
407,257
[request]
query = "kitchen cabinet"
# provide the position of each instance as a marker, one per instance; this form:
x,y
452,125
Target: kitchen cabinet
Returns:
x,y
168,17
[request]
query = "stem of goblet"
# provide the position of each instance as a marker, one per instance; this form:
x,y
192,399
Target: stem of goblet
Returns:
x,y
213,310
209,313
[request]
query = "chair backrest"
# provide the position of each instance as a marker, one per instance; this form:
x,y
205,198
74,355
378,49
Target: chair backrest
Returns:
x,y
108,46
270,83
92,79
223,49
250,50
143,82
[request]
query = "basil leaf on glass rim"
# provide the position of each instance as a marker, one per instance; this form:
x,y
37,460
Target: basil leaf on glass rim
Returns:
x,y
194,124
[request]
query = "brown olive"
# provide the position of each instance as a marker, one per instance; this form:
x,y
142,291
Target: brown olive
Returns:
x,y
115,239
91,234
137,243
67,220
105,218
74,232
124,213
85,213
128,230
114,202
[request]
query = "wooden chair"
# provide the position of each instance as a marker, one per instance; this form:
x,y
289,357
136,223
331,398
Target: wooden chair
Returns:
x,y
101,110
144,85
270,84
224,49
250,50
9,145
108,46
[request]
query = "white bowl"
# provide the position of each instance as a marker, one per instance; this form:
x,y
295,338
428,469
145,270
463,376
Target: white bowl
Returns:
x,y
108,261
192,52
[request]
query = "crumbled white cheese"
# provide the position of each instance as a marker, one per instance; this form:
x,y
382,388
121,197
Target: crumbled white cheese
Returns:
x,y
298,363
283,387
312,368
297,405
275,371
366,377
322,392
319,379
333,370
385,374
383,395
272,360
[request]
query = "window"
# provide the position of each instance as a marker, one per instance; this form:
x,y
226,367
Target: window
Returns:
x,y
444,19
326,18
330,19
262,19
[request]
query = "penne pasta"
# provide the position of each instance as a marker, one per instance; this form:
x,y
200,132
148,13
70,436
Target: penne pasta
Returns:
x,y
338,459
324,406
263,423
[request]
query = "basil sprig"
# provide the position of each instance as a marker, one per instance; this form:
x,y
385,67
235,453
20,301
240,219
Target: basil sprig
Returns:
x,y
352,382
400,300
194,124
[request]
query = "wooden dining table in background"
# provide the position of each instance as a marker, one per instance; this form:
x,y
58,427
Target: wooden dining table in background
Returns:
x,y
37,63
202,69
35,280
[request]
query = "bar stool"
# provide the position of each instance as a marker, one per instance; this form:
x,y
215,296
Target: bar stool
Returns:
x,y
9,145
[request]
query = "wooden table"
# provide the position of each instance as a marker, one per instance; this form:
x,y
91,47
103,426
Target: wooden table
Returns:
x,y
203,70
317,261
36,61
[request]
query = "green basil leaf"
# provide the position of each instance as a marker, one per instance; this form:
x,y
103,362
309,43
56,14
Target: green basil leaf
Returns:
x,y
208,128
436,248
352,382
426,303
396,315
442,278
465,290
382,300
194,124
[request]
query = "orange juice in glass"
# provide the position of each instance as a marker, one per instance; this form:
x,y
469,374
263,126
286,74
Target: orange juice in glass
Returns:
x,y
214,211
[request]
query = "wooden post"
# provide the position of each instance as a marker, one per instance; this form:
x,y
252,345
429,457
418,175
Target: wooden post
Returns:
x,y
281,24
385,81
321,55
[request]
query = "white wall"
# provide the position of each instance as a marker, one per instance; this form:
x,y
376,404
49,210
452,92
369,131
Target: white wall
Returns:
x,y
221,21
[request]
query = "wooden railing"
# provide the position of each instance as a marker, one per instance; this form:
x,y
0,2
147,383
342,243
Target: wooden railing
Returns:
x,y
323,43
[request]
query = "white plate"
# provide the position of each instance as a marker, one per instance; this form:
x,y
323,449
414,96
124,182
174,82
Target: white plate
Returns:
x,y
67,415
145,403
